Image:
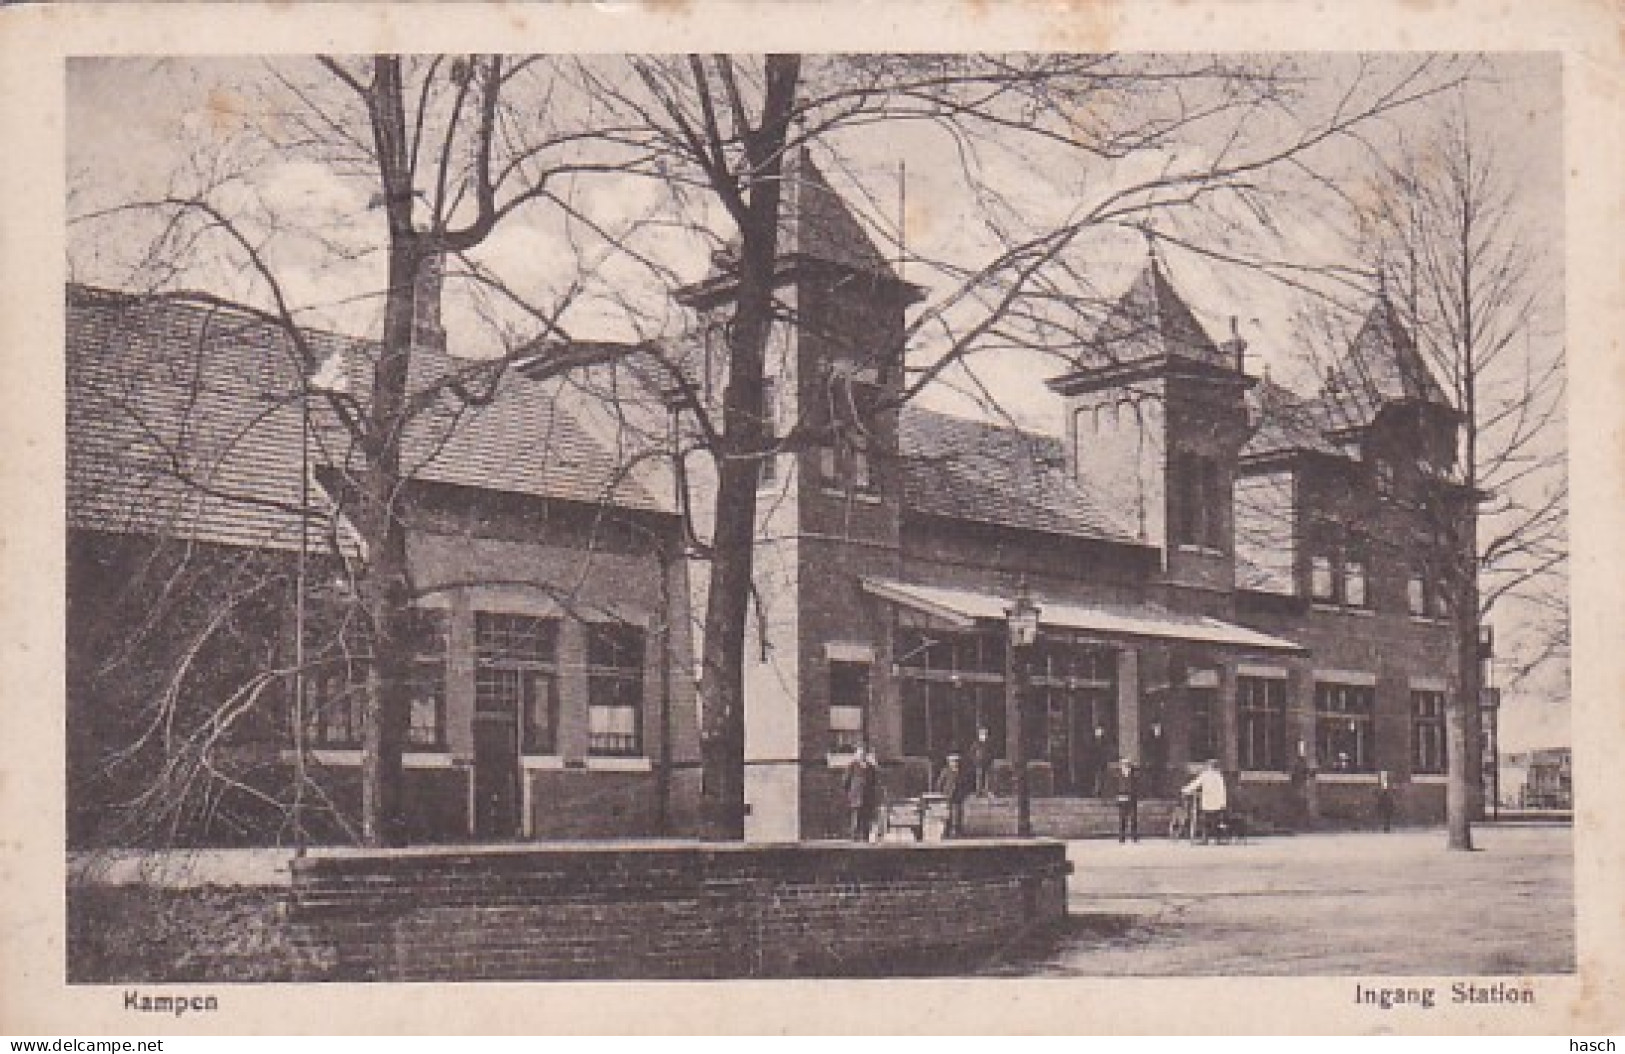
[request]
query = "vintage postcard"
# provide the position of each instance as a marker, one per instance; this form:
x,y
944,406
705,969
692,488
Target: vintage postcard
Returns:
x,y
1064,517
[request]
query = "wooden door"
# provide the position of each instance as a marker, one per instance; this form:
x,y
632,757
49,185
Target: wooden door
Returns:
x,y
496,774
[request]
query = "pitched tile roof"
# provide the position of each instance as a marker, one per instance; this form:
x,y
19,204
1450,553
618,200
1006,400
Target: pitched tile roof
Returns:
x,y
1382,367
1285,421
985,473
524,440
164,435
817,224
1151,320
184,416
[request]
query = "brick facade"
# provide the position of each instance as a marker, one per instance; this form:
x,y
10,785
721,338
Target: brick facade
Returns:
x,y
1227,571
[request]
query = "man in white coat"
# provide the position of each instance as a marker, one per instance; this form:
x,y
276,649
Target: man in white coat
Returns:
x,y
1212,798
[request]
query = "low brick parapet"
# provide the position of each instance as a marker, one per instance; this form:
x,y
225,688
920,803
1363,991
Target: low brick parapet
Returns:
x,y
670,909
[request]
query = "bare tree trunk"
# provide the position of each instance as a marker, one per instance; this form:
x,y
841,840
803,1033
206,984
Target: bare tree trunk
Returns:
x,y
723,689
745,435
1464,796
1458,822
386,586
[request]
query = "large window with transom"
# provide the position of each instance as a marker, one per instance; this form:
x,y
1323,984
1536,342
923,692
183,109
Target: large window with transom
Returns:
x,y
340,661
516,672
1261,717
952,683
1344,734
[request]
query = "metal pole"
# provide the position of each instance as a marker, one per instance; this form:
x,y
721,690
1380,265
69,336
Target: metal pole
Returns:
x,y
902,217
1014,657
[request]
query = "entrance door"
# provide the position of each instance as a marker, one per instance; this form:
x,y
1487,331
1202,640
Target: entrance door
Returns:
x,y
496,774
1070,720
1082,737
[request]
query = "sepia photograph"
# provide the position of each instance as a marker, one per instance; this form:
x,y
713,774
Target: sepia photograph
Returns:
x,y
1094,514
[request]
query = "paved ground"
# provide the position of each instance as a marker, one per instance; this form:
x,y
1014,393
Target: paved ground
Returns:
x,y
1328,904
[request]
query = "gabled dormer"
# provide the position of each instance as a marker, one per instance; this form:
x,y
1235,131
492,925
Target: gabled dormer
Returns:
x,y
1156,414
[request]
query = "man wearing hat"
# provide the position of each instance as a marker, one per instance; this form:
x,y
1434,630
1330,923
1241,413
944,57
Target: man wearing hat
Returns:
x,y
862,792
1123,784
954,784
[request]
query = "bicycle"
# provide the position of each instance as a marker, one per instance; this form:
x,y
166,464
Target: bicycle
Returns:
x,y
1181,820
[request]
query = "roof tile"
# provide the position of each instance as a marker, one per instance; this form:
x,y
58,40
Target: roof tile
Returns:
x,y
1382,367
184,416
985,473
1151,320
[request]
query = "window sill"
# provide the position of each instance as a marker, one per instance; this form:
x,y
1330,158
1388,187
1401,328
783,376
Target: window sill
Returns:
x,y
535,762
1200,550
862,497
957,679
412,759
1430,779
1329,607
1265,776
1346,777
616,764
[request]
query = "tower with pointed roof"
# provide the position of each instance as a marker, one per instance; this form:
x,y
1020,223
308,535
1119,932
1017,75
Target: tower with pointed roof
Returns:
x,y
1156,414
1382,398
828,497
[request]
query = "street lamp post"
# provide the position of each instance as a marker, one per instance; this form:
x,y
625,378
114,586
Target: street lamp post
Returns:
x,y
1022,617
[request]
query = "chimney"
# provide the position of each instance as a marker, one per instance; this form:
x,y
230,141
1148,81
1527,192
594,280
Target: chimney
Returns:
x,y
1236,346
427,331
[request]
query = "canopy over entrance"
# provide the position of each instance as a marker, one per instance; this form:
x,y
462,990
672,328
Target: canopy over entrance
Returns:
x,y
965,608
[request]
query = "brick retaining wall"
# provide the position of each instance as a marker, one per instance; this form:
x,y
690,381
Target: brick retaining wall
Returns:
x,y
651,910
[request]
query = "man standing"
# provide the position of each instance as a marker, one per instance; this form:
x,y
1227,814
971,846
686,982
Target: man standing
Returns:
x,y
1211,799
1123,784
953,783
981,759
862,792
1385,802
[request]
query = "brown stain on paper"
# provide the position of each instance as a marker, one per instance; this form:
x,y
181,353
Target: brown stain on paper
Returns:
x,y
1085,25
224,109
919,217
670,8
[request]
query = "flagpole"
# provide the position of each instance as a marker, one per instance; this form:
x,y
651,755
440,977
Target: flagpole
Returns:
x,y
902,216
299,618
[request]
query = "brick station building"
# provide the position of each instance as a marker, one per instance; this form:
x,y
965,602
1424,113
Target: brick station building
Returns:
x,y
1222,569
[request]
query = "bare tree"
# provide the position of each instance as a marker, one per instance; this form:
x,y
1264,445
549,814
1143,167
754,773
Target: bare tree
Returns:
x,y
1474,289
